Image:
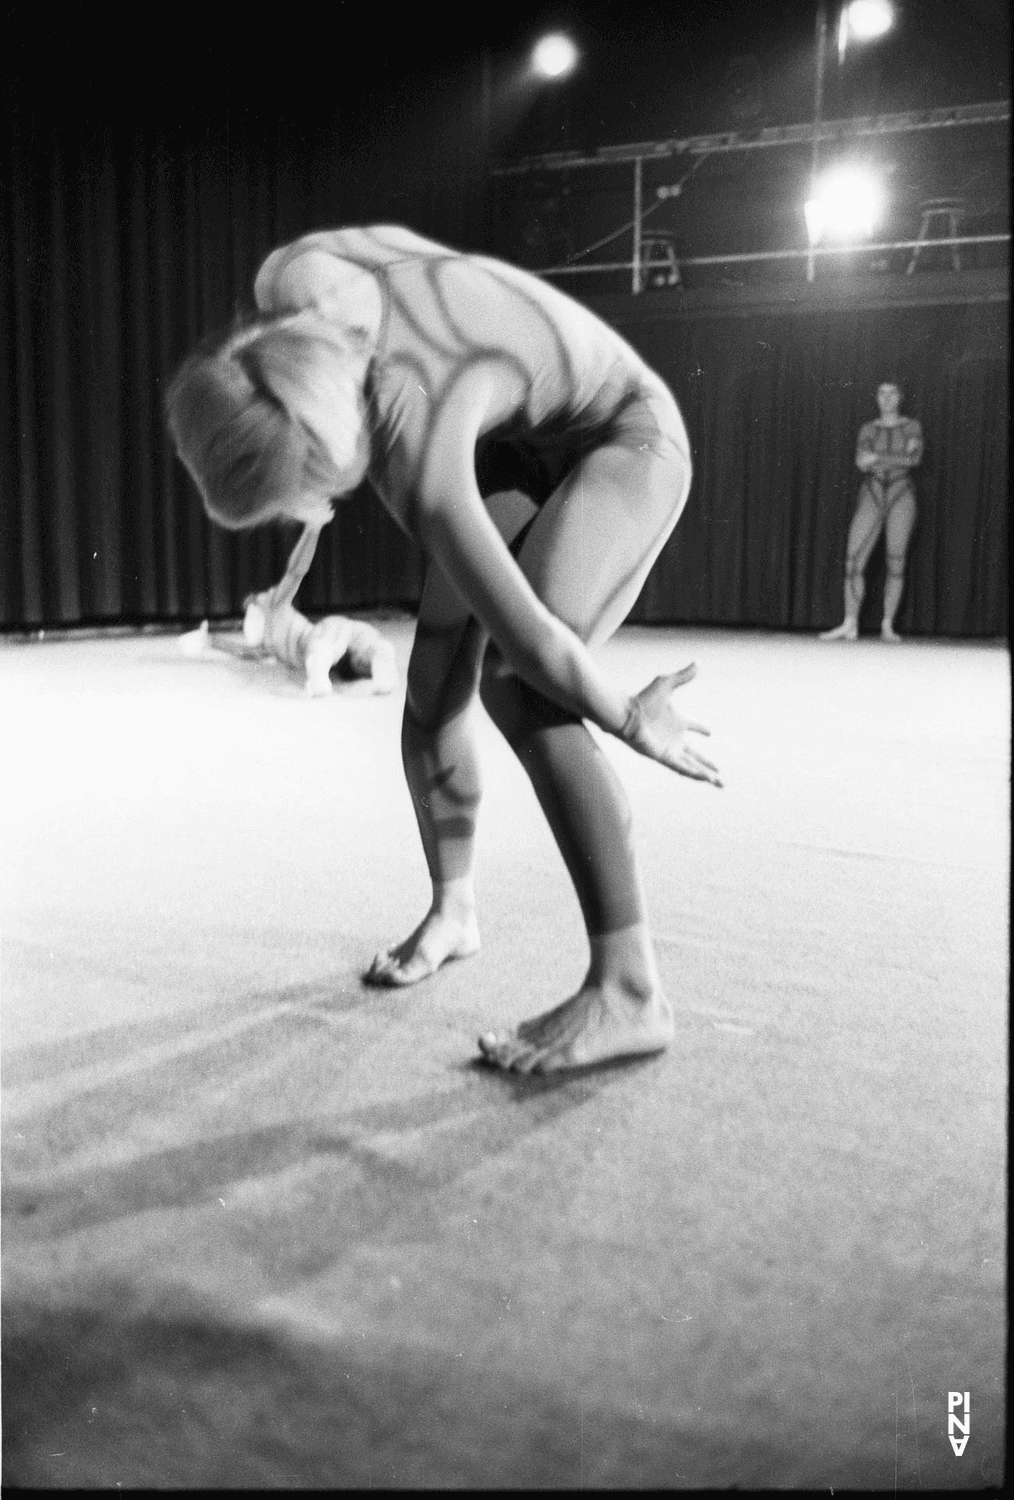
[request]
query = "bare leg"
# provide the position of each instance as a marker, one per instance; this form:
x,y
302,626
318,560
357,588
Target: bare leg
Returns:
x,y
863,533
369,660
442,768
620,1008
900,521
325,646
587,556
383,674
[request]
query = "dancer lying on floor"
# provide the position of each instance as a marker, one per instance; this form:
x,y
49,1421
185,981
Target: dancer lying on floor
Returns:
x,y
272,626
541,466
355,648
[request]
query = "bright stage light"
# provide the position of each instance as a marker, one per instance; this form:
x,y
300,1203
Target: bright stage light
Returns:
x,y
868,19
847,205
554,56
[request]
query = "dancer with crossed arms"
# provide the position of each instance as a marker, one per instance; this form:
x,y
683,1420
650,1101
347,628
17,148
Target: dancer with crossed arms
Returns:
x,y
887,450
541,466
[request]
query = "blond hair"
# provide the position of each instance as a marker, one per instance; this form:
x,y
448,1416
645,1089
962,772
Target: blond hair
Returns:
x,y
267,413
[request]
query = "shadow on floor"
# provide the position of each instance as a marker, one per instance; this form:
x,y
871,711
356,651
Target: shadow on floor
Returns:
x,y
172,1396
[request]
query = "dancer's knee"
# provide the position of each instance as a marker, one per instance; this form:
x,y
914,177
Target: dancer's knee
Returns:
x,y
674,469
651,433
551,743
678,477
516,709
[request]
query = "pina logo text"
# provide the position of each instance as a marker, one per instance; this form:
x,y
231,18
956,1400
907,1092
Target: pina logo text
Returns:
x,y
958,1420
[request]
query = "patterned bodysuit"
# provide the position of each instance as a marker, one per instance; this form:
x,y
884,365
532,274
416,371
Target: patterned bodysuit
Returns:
x,y
888,484
886,503
579,384
570,417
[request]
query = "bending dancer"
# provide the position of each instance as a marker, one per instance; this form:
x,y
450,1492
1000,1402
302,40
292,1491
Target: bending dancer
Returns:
x,y
541,465
887,450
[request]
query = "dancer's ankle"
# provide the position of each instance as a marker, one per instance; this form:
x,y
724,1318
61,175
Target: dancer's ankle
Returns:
x,y
454,897
626,958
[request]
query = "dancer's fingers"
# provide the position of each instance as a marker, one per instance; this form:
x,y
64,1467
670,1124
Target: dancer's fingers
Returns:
x,y
702,760
691,764
673,680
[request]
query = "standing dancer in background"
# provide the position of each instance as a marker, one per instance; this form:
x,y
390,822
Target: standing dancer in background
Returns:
x,y
888,449
541,466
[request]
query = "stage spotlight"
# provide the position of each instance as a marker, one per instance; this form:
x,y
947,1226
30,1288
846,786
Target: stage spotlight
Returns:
x,y
847,206
554,57
867,19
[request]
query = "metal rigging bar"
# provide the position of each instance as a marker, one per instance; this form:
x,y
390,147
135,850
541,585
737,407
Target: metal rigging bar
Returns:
x,y
995,112
743,258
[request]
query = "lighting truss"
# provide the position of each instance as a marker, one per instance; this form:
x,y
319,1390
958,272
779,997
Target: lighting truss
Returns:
x,y
993,113
858,127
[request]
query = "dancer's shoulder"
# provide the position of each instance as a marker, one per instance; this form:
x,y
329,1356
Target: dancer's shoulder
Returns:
x,y
341,262
368,245
309,275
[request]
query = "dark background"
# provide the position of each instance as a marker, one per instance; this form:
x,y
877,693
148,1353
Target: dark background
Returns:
x,y
150,160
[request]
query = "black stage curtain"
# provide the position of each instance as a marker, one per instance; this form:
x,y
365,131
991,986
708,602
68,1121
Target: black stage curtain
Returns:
x,y
121,244
122,248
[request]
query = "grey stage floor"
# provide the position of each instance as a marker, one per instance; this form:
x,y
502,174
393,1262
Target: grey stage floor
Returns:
x,y
265,1227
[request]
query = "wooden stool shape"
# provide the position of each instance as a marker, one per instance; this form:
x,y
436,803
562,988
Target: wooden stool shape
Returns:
x,y
940,220
659,265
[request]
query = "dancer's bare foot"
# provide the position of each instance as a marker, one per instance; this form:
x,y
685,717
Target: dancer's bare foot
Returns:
x,y
597,1024
620,1011
449,930
195,642
848,630
888,633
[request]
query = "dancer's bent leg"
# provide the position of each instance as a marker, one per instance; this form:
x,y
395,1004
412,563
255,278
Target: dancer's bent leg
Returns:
x,y
442,768
621,1008
587,556
863,533
383,671
442,771
899,525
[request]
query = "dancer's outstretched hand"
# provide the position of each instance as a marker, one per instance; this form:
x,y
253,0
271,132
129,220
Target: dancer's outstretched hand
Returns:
x,y
655,728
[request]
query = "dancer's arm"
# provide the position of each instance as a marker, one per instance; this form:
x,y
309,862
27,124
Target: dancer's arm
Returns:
x,y
912,456
454,526
893,464
272,622
867,456
298,566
